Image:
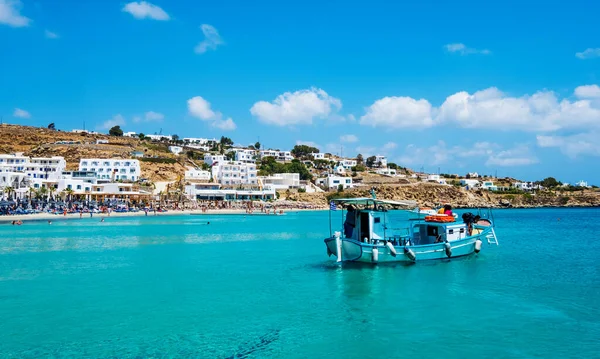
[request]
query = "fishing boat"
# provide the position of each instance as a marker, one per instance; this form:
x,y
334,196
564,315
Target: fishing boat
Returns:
x,y
368,236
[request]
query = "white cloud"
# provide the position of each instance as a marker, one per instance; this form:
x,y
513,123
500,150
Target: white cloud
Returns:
x,y
143,10
573,145
50,35
149,116
348,138
390,146
588,91
225,125
200,108
212,39
117,120
307,143
518,156
153,116
10,14
398,112
440,153
21,113
542,111
464,50
589,53
418,156
296,108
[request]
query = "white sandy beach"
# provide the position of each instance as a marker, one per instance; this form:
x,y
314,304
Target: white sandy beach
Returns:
x,y
55,217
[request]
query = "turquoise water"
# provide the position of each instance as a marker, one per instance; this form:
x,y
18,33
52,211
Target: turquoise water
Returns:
x,y
263,287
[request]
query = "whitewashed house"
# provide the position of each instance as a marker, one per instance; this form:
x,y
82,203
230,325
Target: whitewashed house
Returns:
x,y
176,150
197,175
334,181
380,161
112,169
281,180
233,172
348,163
211,159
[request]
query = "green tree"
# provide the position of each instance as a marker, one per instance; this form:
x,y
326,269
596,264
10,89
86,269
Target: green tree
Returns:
x,y
257,145
303,151
51,126
175,138
141,136
359,168
371,161
298,167
393,166
359,159
230,156
550,182
115,131
224,144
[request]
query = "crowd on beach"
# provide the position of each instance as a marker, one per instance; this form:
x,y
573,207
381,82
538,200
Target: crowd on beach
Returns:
x,y
25,207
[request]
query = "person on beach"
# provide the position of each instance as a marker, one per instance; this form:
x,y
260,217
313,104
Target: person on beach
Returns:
x,y
448,210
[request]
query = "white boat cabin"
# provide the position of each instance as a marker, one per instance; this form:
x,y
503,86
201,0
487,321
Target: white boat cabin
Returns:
x,y
432,232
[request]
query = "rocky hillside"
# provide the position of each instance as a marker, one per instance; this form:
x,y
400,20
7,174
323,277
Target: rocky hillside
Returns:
x,y
431,195
38,142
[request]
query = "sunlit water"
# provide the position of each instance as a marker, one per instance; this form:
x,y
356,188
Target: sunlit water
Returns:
x,y
263,287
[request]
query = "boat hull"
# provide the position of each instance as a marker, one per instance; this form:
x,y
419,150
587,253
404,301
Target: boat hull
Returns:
x,y
354,251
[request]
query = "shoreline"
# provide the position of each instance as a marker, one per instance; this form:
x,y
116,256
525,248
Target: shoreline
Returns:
x,y
196,212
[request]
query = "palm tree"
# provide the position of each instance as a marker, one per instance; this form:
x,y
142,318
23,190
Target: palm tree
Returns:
x,y
42,192
51,191
9,191
69,192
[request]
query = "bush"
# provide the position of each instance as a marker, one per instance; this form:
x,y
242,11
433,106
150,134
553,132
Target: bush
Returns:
x,y
301,190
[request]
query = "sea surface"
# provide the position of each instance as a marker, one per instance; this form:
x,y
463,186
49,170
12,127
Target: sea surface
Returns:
x,y
263,287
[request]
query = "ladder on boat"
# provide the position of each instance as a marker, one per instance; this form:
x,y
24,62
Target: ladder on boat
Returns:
x,y
491,237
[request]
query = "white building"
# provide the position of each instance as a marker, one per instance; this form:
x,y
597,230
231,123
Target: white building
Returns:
x,y
339,169
211,159
582,183
101,142
348,163
112,169
232,173
380,161
160,137
48,168
214,192
386,171
244,155
281,180
13,163
489,185
176,149
197,175
333,182
284,156
318,156
130,134
523,186
268,153
470,183
473,175
85,131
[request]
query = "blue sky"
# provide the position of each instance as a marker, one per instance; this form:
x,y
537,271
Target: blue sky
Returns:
x,y
508,88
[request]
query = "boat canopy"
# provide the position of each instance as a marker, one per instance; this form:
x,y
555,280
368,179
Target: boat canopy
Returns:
x,y
366,201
